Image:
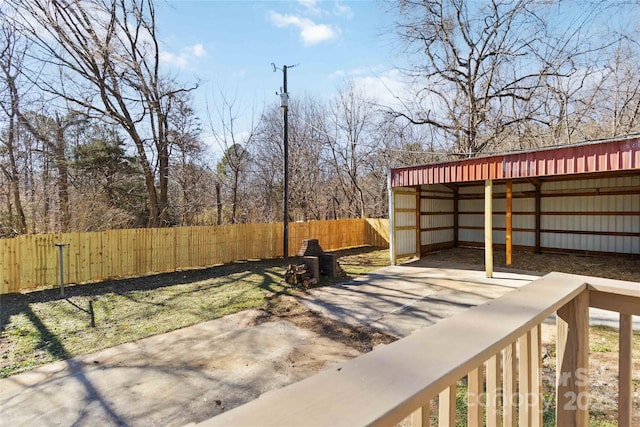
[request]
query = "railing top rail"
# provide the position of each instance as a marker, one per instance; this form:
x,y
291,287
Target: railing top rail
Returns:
x,y
617,287
615,295
382,387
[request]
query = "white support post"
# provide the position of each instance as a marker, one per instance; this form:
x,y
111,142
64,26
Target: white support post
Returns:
x,y
488,227
392,222
509,223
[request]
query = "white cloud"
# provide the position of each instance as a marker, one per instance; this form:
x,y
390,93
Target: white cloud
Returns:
x,y
185,58
310,32
388,87
311,6
343,10
198,50
178,61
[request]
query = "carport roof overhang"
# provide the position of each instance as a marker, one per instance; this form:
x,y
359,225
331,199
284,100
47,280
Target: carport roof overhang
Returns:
x,y
611,157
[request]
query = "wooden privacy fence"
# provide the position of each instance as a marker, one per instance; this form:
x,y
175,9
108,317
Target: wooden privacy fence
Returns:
x,y
31,261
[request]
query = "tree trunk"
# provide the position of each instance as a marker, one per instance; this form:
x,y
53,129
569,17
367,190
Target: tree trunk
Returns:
x,y
234,201
14,178
149,180
12,174
218,203
60,158
163,180
47,200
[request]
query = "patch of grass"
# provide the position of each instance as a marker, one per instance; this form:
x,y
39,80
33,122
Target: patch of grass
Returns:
x,y
39,327
461,405
602,406
356,262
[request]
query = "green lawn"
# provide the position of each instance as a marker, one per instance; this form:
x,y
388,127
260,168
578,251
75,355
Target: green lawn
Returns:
x,y
39,327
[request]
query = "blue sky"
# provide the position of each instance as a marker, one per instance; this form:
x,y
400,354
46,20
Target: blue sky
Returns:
x,y
231,45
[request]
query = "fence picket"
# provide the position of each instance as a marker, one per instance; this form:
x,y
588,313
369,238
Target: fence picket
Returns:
x,y
31,261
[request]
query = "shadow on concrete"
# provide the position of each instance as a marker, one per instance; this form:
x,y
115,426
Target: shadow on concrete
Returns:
x,y
55,347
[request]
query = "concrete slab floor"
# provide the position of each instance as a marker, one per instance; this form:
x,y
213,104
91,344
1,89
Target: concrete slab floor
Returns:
x,y
172,379
400,299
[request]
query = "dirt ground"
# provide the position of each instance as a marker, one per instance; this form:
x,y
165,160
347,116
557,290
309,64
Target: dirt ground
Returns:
x,y
360,338
620,268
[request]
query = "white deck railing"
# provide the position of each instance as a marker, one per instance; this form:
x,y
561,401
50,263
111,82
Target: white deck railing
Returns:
x,y
497,346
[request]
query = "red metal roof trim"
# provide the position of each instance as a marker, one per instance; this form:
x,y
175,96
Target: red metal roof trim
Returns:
x,y
607,156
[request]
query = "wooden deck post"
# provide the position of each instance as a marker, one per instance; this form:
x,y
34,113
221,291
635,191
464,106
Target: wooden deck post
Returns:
x,y
421,417
509,384
524,380
508,221
624,371
572,372
488,227
493,390
447,407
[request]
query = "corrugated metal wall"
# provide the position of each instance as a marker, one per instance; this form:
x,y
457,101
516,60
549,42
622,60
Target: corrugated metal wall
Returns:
x,y
593,157
592,215
584,215
471,211
436,217
405,221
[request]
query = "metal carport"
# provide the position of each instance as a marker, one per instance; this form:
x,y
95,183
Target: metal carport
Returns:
x,y
581,198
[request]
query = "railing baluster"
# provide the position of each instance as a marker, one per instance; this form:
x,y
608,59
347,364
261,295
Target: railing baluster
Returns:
x,y
572,363
421,417
524,377
509,385
447,407
493,384
624,371
475,414
426,415
536,377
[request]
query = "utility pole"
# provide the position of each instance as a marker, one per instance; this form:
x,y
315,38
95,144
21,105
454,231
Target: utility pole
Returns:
x,y
284,103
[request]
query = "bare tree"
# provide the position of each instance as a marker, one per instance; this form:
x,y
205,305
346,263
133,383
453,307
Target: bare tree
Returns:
x,y
189,172
12,53
353,117
52,133
107,55
235,145
479,61
620,89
